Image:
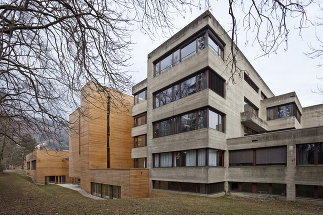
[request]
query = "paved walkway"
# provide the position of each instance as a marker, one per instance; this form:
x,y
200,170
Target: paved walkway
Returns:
x,y
80,190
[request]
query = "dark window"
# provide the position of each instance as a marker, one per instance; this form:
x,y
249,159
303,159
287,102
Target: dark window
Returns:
x,y
263,156
189,158
263,96
176,57
250,82
216,46
177,92
216,121
283,111
305,154
201,153
189,187
166,64
234,186
201,81
248,106
140,141
165,128
157,69
197,44
305,191
156,129
179,159
320,153
173,186
28,165
279,189
188,122
202,119
140,120
241,157
201,43
262,188
166,97
309,153
156,160
270,156
188,87
216,188
166,159
216,83
140,97
33,164
140,163
246,187
185,158
156,100
188,51
105,191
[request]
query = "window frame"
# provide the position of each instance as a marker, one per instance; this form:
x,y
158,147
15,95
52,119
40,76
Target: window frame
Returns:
x,y
294,111
137,94
206,32
218,87
315,154
176,117
219,158
138,116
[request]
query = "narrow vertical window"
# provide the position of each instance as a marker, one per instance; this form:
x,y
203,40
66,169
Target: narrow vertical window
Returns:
x,y
108,132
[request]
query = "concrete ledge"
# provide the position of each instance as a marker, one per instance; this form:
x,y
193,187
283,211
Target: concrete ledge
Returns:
x,y
139,130
140,152
139,108
188,193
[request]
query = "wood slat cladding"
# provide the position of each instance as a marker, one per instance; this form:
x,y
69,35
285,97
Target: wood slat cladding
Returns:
x,y
90,147
49,163
120,124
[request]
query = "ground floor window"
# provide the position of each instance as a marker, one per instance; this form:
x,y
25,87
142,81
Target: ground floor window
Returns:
x,y
309,191
189,187
261,188
106,191
55,179
76,180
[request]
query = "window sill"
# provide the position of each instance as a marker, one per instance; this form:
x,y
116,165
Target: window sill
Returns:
x,y
175,167
309,165
259,166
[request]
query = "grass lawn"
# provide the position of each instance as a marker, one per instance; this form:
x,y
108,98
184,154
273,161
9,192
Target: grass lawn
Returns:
x,y
18,195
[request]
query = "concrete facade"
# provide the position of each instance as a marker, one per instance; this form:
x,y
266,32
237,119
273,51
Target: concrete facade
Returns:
x,y
287,131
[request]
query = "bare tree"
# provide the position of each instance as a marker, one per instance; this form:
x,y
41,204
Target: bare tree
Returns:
x,y
268,23
50,49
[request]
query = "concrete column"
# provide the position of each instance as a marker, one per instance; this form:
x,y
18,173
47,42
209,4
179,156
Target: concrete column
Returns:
x,y
291,170
226,166
226,187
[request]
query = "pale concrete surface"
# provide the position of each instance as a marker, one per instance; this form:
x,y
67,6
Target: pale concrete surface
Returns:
x,y
81,191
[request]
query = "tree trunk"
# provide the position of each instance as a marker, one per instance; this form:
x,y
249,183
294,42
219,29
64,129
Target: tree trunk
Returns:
x,y
1,152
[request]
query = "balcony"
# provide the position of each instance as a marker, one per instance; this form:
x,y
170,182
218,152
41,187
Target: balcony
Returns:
x,y
249,119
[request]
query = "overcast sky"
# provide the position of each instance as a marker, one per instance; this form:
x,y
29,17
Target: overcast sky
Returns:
x,y
285,71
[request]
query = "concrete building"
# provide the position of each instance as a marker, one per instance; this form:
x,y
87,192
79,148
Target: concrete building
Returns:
x,y
198,132
48,167
100,146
